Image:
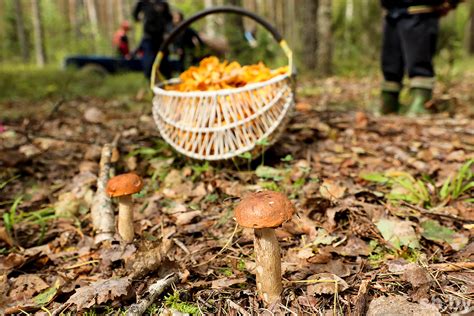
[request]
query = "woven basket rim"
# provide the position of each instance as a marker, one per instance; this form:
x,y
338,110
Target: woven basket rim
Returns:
x,y
252,86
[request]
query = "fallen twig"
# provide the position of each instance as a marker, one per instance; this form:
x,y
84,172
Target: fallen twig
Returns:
x,y
361,300
237,307
451,267
153,291
53,111
437,214
102,213
229,241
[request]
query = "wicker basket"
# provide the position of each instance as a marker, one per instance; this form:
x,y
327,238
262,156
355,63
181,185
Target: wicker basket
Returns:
x,y
223,124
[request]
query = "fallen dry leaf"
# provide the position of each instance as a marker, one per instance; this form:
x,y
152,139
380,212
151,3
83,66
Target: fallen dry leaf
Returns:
x,y
99,292
398,233
303,107
398,305
326,283
354,247
336,267
416,275
186,218
330,190
26,286
94,115
361,120
13,260
226,282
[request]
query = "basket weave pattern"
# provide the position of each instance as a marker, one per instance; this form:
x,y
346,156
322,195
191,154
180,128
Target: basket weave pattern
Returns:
x,y
217,125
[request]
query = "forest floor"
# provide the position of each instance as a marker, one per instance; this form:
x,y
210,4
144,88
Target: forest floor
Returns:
x,y
385,214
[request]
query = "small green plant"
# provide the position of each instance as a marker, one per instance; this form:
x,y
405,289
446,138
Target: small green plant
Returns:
x,y
174,301
198,170
264,143
270,173
4,183
226,271
404,187
299,183
269,185
287,158
9,218
248,157
212,197
39,217
160,149
153,310
241,264
461,183
378,253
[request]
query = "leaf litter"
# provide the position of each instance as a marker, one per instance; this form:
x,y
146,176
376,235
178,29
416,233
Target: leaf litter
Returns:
x,y
384,214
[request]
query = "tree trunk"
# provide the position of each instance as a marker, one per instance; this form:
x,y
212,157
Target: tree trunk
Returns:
x,y
73,18
111,23
234,30
210,21
120,10
92,13
292,35
309,33
471,33
251,5
325,37
39,34
20,30
348,19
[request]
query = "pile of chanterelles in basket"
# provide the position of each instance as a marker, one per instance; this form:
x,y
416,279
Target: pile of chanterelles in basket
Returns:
x,y
211,75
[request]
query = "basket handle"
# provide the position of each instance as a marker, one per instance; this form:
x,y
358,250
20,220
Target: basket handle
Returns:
x,y
220,9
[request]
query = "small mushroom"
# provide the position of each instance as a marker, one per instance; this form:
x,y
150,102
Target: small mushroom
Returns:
x,y
122,187
264,211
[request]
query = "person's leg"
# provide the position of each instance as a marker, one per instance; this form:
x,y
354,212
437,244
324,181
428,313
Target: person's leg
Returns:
x,y
392,67
419,35
149,55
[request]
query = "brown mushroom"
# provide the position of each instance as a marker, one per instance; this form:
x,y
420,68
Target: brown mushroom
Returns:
x,y
122,187
265,211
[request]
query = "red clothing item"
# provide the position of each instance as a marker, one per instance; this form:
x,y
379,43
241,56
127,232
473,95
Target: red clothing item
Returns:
x,y
120,42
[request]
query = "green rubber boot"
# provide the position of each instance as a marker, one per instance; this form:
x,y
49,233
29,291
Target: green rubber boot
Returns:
x,y
390,103
421,92
389,97
419,98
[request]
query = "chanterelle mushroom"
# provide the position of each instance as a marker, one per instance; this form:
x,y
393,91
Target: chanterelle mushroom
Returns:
x,y
122,187
264,211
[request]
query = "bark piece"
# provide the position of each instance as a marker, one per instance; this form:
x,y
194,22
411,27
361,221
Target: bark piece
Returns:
x,y
102,214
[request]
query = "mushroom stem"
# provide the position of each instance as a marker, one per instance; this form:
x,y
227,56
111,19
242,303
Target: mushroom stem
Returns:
x,y
268,260
125,218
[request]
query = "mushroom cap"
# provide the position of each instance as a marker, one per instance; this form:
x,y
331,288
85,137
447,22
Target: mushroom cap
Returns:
x,y
124,184
265,209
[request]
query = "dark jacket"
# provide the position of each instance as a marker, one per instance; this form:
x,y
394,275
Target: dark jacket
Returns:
x,y
156,17
397,4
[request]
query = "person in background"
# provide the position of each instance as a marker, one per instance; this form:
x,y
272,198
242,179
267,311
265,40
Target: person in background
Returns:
x,y
156,18
120,40
409,42
184,45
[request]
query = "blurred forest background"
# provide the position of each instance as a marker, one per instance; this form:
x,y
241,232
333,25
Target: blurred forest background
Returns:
x,y
338,37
